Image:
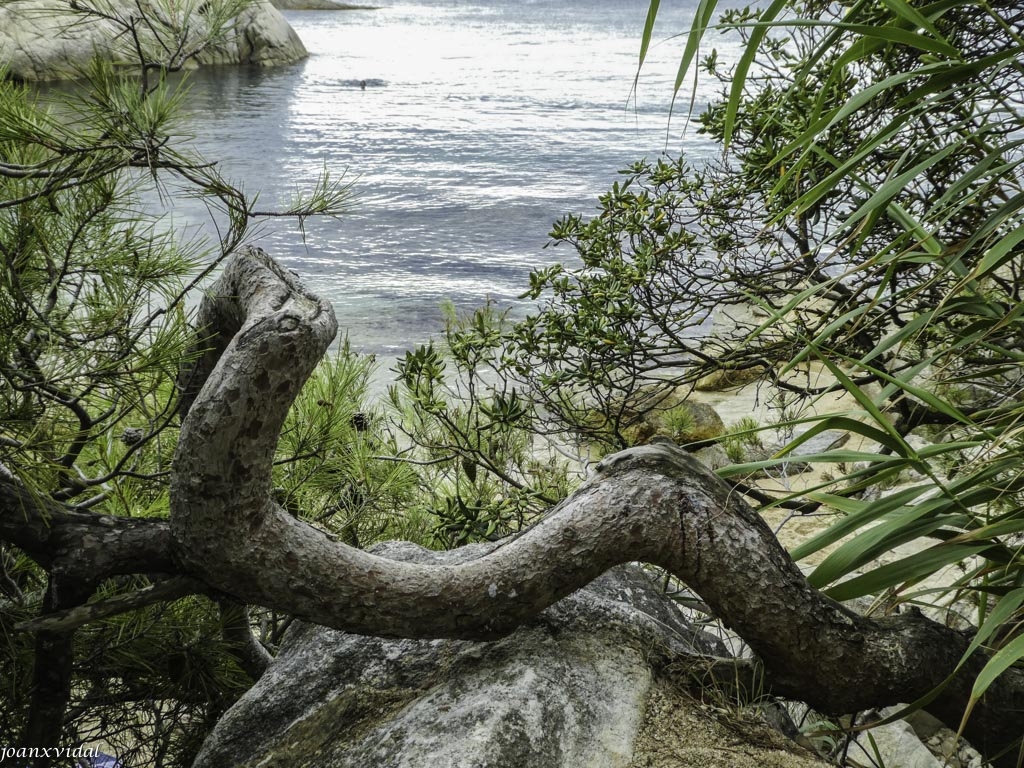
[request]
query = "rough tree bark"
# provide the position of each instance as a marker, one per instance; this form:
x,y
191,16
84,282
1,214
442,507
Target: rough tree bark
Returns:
x,y
79,550
654,504
263,335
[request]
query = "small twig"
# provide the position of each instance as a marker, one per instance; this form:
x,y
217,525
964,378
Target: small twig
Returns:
x,y
72,618
416,462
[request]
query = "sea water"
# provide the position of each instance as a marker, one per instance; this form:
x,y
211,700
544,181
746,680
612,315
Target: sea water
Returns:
x,y
467,128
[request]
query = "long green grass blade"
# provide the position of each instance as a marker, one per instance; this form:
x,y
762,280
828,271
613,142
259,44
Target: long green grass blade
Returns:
x,y
912,568
868,405
903,335
739,77
1000,253
852,105
870,544
701,22
846,424
1008,605
989,165
645,38
1010,654
922,237
829,457
903,37
967,490
859,513
1013,524
894,185
871,37
932,400
914,17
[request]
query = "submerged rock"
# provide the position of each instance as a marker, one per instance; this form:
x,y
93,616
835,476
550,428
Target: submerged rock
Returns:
x,y
577,687
45,40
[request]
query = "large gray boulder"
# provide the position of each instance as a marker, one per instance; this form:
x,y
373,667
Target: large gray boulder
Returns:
x,y
320,5
47,40
578,687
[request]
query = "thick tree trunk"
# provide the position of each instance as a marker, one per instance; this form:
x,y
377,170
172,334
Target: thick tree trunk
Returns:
x,y
654,504
96,546
79,549
264,335
52,670
236,629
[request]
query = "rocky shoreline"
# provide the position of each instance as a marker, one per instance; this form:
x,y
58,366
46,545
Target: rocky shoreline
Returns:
x,y
46,40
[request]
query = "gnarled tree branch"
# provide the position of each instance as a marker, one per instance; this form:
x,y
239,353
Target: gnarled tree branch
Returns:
x,y
79,550
654,504
96,546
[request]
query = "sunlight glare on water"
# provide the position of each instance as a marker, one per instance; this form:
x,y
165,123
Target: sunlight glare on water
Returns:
x,y
479,125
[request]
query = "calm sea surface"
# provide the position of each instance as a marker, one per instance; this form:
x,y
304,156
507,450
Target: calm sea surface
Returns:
x,y
479,125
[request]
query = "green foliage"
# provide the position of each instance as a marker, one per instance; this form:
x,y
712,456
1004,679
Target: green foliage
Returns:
x,y
740,438
869,210
678,422
865,226
335,466
484,471
882,141
172,666
94,298
616,335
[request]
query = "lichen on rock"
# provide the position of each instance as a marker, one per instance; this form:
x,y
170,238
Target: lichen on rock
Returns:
x,y
576,687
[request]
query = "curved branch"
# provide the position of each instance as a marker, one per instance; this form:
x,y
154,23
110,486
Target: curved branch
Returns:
x,y
654,503
93,545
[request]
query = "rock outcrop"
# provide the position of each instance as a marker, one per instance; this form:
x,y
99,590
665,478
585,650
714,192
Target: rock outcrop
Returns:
x,y
680,420
579,686
47,40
